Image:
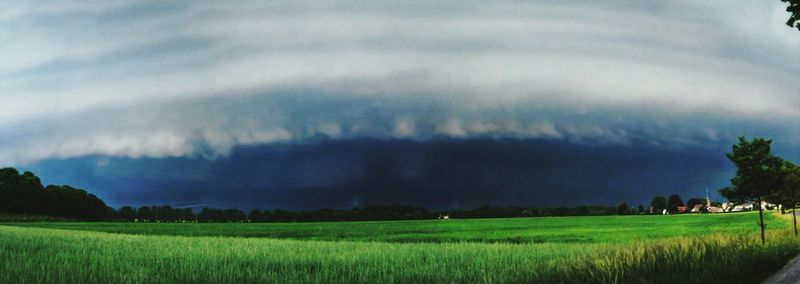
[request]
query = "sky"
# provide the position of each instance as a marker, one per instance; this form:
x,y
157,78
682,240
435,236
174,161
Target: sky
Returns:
x,y
309,104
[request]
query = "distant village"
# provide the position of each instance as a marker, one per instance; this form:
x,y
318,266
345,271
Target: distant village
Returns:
x,y
724,207
707,207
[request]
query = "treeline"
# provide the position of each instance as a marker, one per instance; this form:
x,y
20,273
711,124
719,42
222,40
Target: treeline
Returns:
x,y
368,213
24,194
510,212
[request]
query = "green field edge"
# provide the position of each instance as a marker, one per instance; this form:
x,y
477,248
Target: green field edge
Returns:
x,y
606,229
61,256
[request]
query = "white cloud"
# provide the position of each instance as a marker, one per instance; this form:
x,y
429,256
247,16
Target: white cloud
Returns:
x,y
251,137
544,129
330,129
403,127
451,127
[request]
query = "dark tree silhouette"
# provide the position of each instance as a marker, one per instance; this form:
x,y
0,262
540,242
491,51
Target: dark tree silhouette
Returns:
x,y
789,192
758,174
20,193
794,13
792,188
659,203
673,203
65,201
623,209
126,213
256,215
234,215
24,194
145,214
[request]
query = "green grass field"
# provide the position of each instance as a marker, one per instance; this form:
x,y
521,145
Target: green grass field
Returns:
x,y
593,229
684,248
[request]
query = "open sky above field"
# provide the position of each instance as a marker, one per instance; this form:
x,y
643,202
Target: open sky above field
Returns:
x,y
305,104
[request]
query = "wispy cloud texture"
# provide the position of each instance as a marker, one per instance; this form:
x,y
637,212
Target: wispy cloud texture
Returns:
x,y
157,79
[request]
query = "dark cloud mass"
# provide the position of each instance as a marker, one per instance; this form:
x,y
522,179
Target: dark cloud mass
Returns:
x,y
309,104
442,173
149,79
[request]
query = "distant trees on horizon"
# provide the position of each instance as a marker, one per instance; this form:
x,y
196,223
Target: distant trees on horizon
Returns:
x,y
368,213
23,193
658,204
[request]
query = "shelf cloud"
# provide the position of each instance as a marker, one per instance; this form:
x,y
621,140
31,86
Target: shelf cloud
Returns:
x,y
199,79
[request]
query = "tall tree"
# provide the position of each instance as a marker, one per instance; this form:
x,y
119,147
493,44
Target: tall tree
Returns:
x,y
792,186
794,13
789,192
758,174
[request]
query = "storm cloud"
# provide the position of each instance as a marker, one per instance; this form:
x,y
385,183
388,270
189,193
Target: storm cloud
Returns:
x,y
444,174
151,79
306,104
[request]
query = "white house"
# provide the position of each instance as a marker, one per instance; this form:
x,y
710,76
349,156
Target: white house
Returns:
x,y
742,207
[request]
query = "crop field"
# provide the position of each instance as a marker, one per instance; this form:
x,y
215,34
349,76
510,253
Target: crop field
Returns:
x,y
684,248
591,229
